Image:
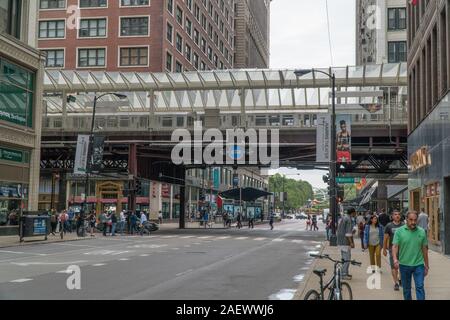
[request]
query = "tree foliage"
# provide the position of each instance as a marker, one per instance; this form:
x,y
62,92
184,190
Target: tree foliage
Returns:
x,y
298,191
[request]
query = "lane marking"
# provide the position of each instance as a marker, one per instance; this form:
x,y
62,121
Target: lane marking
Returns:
x,y
64,271
19,252
222,238
21,280
260,239
25,264
241,238
168,237
143,255
187,246
99,264
278,240
175,248
187,237
205,237
124,259
297,241
184,272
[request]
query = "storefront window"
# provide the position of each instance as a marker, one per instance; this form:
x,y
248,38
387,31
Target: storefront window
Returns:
x,y
16,94
13,197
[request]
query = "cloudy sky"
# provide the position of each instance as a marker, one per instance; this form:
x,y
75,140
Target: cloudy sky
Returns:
x,y
299,39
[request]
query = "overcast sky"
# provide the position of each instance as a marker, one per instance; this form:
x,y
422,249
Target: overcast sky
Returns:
x,y
299,39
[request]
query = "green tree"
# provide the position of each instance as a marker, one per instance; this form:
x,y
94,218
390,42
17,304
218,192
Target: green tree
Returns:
x,y
298,191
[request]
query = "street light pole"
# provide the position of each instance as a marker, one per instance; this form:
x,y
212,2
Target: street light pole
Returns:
x,y
333,154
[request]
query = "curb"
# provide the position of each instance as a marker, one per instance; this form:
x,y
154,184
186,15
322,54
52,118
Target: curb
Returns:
x,y
36,242
299,294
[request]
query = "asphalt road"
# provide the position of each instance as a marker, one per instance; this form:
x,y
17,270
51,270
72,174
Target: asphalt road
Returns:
x,y
195,264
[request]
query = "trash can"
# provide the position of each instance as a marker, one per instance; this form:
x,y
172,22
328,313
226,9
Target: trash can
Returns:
x,y
34,225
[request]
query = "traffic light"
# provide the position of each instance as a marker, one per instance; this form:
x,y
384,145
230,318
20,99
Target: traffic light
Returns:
x,y
138,186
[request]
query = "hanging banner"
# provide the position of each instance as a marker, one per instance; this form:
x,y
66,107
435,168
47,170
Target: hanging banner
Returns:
x,y
343,138
97,154
216,178
81,155
323,138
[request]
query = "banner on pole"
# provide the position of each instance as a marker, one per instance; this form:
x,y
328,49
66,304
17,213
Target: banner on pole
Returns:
x,y
343,138
323,138
81,155
97,154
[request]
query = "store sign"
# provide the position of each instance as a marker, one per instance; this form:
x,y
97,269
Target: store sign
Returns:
x,y
420,159
81,155
11,155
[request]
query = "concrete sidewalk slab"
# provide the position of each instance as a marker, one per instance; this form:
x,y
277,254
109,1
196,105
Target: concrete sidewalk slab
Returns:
x,y
437,283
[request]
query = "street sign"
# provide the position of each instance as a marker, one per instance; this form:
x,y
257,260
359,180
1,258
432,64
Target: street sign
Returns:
x,y
347,180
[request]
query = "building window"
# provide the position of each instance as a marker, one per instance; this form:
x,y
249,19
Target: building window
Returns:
x,y
92,28
203,45
169,62
178,67
216,18
189,27
196,37
189,4
210,54
216,39
197,12
130,3
17,86
221,65
52,4
179,16
397,19
93,3
169,33
91,58
221,46
222,26
202,66
210,31
55,58
188,53
179,43
133,56
196,60
52,29
203,22
170,6
397,51
216,63
136,26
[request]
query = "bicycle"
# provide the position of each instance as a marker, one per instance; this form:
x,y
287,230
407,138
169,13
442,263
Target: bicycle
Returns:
x,y
339,290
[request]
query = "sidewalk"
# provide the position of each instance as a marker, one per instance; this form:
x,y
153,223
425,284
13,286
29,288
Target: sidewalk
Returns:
x,y
12,241
437,283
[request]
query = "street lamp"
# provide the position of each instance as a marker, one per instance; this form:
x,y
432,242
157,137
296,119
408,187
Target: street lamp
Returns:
x,y
91,138
333,160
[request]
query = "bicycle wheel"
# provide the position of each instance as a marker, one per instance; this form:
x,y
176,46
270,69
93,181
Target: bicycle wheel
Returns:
x,y
312,295
346,291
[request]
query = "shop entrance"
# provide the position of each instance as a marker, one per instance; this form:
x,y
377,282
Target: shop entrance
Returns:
x,y
433,210
109,197
415,200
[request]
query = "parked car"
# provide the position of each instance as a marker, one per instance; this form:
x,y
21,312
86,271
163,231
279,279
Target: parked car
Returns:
x,y
301,216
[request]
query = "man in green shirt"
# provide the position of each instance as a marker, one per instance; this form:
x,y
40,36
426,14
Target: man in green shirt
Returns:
x,y
410,251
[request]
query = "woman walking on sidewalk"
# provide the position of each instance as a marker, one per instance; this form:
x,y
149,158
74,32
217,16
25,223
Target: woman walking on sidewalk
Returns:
x,y
373,240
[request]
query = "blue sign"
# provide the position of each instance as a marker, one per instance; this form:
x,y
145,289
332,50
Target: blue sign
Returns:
x,y
235,152
40,227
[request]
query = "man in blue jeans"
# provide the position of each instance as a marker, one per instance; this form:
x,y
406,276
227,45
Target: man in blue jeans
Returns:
x,y
410,253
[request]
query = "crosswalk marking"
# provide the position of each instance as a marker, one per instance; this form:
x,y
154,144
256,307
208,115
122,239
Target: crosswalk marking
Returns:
x,y
21,280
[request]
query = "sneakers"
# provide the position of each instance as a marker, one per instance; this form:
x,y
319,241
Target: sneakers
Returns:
x,y
396,287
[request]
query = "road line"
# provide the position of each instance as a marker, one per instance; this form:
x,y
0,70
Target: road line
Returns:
x,y
168,237
298,241
187,237
175,248
124,259
21,280
278,240
182,273
99,264
204,237
143,255
241,238
222,238
25,264
64,271
19,252
259,239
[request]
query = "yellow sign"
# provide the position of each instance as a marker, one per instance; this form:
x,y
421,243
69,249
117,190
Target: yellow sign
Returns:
x,y
420,159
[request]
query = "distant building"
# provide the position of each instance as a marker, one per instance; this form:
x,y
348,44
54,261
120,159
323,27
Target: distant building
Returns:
x,y
380,31
252,32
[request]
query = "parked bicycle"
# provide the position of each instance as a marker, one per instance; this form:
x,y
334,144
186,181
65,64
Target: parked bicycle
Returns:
x,y
339,290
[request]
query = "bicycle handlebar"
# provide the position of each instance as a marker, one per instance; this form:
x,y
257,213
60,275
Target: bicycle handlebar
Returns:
x,y
326,256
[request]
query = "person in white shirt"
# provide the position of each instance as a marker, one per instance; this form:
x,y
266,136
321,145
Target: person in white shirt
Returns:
x,y
422,221
121,222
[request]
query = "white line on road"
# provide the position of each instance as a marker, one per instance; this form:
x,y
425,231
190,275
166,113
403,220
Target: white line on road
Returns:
x,y
21,280
222,238
143,255
182,273
187,246
278,240
124,259
175,248
168,237
260,239
19,252
298,241
204,237
75,245
99,264
187,237
64,271
24,264
241,238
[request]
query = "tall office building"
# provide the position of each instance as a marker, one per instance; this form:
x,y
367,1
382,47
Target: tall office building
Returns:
x,y
380,31
21,74
252,28
429,116
137,35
